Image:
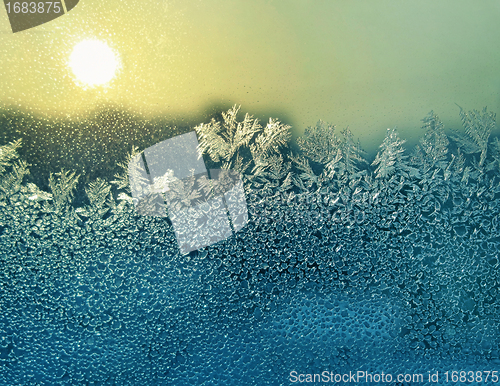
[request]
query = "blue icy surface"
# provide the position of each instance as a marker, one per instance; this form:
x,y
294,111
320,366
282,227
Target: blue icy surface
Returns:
x,y
396,271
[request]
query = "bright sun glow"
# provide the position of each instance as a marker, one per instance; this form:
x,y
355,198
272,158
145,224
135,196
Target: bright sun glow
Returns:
x,y
94,63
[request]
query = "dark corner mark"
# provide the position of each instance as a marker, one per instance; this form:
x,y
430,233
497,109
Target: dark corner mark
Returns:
x,y
24,15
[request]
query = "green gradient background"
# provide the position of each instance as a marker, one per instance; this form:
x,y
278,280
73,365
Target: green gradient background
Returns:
x,y
369,64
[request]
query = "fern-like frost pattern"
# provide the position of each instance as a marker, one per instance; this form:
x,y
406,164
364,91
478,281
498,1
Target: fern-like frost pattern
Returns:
x,y
269,260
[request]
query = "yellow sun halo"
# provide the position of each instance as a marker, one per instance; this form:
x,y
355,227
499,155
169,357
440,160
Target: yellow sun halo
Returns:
x,y
93,63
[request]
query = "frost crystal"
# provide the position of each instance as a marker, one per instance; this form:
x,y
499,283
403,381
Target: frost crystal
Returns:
x,y
223,141
319,143
433,148
62,186
337,158
98,193
478,127
495,154
122,180
390,159
8,153
231,142
10,183
349,156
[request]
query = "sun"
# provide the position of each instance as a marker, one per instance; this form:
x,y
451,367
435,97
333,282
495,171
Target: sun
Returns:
x,y
93,63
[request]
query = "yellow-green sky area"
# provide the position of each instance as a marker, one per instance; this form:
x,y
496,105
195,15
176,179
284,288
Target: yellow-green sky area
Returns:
x,y
369,64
